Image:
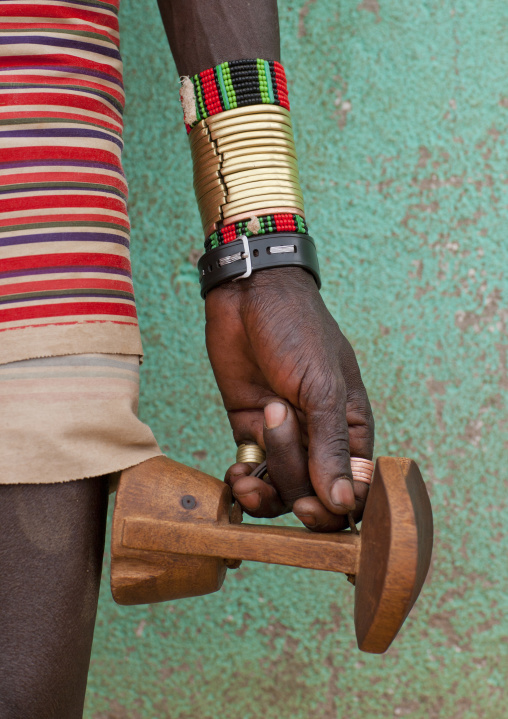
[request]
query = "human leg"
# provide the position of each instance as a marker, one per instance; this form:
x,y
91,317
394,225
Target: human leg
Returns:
x,y
51,549
65,291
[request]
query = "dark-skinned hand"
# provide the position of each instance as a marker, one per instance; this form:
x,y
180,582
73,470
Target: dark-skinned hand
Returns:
x,y
290,383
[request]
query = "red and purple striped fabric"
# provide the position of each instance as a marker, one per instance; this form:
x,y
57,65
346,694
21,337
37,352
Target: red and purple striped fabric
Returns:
x,y
64,228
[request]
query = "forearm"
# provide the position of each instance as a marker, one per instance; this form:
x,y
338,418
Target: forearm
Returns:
x,y
269,337
204,33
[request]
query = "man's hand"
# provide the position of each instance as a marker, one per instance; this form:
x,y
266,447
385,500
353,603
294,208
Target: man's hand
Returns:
x,y
290,383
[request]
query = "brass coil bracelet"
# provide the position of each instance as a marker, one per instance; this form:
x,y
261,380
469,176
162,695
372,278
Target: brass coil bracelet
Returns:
x,y
245,160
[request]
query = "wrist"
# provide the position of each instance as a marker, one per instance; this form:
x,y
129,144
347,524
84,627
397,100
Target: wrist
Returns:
x,y
278,281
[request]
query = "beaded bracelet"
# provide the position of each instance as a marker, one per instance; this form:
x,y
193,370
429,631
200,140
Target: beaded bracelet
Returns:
x,y
266,224
234,84
237,117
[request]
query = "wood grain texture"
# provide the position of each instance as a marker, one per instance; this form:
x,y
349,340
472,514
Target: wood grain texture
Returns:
x,y
291,546
397,536
176,530
155,489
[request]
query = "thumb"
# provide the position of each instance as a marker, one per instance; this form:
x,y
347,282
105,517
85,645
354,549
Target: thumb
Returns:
x,y
329,460
286,457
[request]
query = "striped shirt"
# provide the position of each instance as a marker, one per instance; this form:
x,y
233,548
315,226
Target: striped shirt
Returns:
x,y
65,273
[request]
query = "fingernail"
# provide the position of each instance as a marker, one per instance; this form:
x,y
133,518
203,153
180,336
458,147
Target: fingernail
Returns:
x,y
245,500
275,414
307,519
342,494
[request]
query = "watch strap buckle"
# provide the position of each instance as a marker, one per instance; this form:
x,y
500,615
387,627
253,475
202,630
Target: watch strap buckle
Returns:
x,y
247,257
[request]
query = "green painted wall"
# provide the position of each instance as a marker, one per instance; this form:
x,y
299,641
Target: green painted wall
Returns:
x,y
401,116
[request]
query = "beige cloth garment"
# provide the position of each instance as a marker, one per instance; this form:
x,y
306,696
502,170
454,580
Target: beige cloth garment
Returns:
x,y
70,417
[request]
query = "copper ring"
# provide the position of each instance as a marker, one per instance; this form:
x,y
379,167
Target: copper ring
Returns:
x,y
240,178
209,160
249,135
203,188
250,208
260,184
257,194
252,127
199,134
262,117
272,142
201,151
227,154
362,469
288,160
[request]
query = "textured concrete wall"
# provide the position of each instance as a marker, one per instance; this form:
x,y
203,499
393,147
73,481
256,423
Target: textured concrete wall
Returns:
x,y
401,116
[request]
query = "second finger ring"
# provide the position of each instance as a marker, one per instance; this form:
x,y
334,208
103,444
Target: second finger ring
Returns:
x,y
362,469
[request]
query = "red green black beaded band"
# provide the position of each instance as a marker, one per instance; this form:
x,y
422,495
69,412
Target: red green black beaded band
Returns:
x,y
280,222
239,83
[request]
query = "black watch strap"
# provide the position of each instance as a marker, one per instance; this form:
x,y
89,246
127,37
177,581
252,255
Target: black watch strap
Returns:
x,y
239,259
